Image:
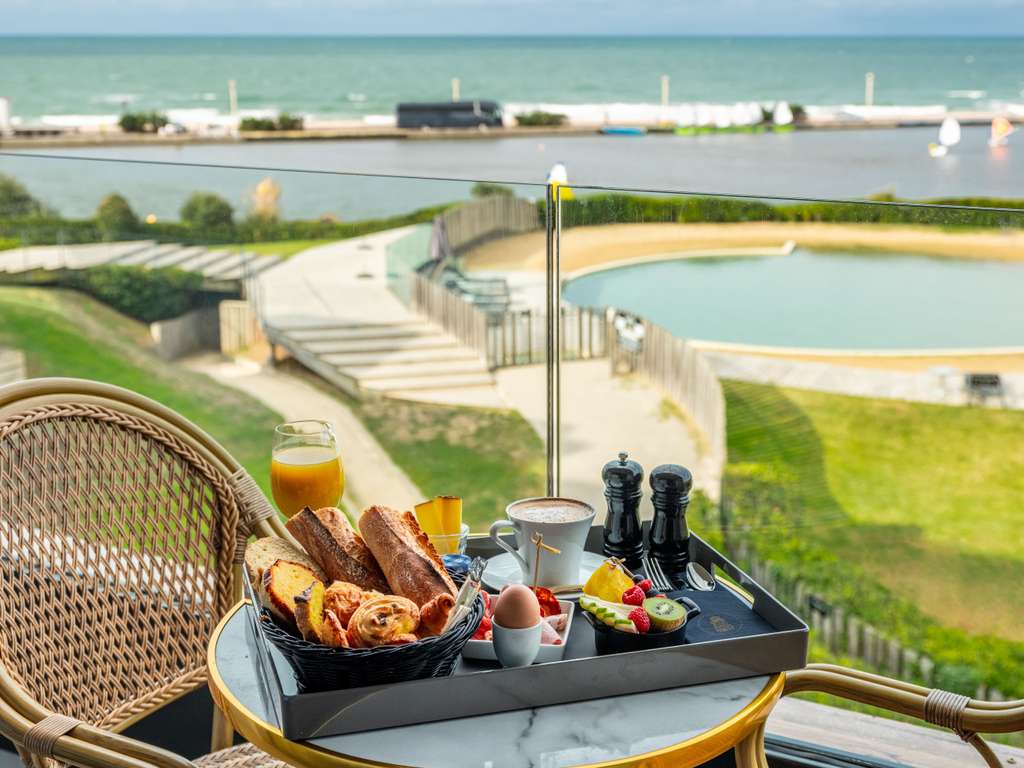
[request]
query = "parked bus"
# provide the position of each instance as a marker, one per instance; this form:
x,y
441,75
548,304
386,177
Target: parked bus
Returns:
x,y
449,114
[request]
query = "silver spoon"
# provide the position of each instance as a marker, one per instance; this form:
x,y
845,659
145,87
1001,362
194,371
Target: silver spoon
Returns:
x,y
698,578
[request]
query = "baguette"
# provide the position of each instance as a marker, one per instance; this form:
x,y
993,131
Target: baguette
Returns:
x,y
263,553
328,536
405,554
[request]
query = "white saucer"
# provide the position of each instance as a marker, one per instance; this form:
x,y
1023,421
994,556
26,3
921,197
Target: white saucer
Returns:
x,y
504,569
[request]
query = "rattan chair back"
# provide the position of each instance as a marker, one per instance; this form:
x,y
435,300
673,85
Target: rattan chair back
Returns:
x,y
119,528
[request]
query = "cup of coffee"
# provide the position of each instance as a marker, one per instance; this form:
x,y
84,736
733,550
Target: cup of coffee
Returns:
x,y
564,524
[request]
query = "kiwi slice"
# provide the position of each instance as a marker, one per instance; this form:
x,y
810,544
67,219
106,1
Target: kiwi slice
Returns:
x,y
665,614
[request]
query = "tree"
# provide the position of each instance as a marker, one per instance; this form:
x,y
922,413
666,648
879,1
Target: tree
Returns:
x,y
115,219
15,200
265,199
205,210
490,189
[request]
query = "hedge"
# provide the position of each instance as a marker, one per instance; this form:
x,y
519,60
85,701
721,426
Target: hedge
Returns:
x,y
145,294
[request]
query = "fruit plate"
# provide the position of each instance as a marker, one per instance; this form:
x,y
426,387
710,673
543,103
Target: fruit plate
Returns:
x,y
740,632
483,650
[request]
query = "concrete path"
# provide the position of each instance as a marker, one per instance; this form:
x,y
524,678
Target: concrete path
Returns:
x,y
600,417
941,385
371,477
331,308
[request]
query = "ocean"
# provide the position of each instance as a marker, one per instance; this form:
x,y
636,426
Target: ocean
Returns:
x,y
352,77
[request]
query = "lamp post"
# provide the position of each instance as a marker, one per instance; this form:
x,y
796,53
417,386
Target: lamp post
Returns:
x,y
557,178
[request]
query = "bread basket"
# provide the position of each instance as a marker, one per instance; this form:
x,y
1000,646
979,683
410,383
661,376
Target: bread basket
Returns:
x,y
320,668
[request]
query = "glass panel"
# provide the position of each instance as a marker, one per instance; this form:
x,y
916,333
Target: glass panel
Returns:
x,y
845,382
247,297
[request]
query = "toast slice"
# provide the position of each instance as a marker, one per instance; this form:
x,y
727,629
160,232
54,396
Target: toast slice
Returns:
x,y
282,583
263,553
327,535
405,554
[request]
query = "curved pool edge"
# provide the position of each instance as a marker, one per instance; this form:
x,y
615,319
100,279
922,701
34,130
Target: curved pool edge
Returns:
x,y
717,253
706,345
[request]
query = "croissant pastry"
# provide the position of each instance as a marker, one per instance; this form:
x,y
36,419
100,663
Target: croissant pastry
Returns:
x,y
342,598
384,620
434,615
333,632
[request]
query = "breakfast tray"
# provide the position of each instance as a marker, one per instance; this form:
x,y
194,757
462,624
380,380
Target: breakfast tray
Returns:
x,y
731,638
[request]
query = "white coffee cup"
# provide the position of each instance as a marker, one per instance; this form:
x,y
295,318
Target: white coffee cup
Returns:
x,y
516,647
564,524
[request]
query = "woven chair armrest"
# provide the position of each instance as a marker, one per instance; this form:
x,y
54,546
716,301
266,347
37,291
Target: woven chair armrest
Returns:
x,y
81,744
898,696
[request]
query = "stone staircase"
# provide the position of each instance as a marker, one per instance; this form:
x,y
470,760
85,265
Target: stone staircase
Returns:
x,y
212,264
410,359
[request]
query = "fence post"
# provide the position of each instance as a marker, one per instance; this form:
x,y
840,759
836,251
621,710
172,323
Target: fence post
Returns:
x,y
854,647
927,670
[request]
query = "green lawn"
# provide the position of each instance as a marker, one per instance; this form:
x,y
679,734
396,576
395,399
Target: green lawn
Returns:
x,y
64,333
906,514
282,248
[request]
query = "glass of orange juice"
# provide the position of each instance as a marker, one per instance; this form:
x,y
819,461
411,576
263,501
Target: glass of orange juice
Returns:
x,y
305,467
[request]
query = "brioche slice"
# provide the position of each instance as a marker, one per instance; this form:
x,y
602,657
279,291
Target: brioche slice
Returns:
x,y
263,553
333,631
328,536
405,554
309,612
282,583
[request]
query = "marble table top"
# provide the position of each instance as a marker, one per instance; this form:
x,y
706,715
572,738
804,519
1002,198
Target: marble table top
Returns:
x,y
546,737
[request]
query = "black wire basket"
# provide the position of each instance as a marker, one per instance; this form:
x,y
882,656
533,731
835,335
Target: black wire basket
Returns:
x,y
321,668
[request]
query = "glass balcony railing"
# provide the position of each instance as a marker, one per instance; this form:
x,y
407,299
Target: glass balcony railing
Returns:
x,y
845,379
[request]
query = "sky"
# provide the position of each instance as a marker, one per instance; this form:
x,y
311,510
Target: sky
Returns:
x,y
513,17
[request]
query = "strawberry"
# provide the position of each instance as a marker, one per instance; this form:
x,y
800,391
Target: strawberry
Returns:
x,y
483,630
633,596
487,603
640,620
646,585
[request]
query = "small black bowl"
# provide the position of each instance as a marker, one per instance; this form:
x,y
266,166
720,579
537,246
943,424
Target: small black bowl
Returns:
x,y
610,640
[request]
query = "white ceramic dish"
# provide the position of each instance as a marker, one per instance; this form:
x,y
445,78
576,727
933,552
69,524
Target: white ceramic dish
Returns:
x,y
503,569
483,650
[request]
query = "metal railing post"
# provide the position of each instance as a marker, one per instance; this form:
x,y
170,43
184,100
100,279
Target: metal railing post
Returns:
x,y
554,342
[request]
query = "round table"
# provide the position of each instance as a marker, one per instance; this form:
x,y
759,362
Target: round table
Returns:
x,y
680,727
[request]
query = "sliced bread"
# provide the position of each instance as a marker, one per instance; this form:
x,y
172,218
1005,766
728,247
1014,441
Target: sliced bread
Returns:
x,y
263,553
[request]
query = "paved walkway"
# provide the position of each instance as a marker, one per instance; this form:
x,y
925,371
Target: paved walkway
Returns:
x,y
600,417
942,386
331,308
371,477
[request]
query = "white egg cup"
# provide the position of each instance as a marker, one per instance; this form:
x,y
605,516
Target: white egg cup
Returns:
x,y
516,647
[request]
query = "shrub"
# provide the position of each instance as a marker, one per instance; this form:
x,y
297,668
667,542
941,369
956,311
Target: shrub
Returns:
x,y
15,199
142,122
115,219
145,294
284,122
490,189
539,118
207,211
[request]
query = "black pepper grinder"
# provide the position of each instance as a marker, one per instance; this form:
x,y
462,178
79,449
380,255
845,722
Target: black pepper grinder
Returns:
x,y
669,542
623,536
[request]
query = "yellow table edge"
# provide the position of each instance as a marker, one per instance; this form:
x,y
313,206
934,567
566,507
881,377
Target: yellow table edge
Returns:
x,y
685,754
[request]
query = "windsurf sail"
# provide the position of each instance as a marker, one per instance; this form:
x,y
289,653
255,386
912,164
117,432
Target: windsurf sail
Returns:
x,y
949,132
1001,129
782,115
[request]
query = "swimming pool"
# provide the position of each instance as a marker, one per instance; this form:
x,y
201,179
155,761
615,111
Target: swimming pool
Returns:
x,y
821,300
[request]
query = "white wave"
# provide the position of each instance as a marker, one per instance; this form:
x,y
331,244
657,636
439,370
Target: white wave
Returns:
x,y
967,94
115,98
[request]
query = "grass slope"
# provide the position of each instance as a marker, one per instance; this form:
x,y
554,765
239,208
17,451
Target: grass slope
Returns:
x,y
282,248
67,334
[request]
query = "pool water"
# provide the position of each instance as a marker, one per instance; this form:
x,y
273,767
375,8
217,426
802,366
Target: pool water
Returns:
x,y
814,299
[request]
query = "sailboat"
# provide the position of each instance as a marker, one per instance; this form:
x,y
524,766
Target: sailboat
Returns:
x,y
949,136
1001,129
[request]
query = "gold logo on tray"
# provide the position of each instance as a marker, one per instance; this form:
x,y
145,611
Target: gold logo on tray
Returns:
x,y
720,624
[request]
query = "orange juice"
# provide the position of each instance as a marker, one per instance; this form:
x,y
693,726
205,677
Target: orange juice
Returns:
x,y
306,476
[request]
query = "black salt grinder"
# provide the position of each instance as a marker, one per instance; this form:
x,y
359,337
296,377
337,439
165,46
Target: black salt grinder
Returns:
x,y
623,536
669,542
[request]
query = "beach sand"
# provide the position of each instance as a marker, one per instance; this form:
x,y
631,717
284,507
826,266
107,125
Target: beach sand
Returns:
x,y
588,247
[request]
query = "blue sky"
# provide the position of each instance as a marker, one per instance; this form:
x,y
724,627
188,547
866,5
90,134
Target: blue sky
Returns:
x,y
672,17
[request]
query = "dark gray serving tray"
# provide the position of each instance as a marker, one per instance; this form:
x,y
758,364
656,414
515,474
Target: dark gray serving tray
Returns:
x,y
730,639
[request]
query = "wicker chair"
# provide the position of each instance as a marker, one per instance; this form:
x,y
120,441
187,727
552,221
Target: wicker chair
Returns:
x,y
121,531
965,716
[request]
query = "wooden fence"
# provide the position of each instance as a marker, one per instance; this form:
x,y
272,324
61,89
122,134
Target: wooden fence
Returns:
x,y
239,326
496,216
686,377
844,634
12,366
458,317
519,337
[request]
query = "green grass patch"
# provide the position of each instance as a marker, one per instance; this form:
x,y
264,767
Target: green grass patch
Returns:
x,y
282,248
906,514
64,333
7,243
